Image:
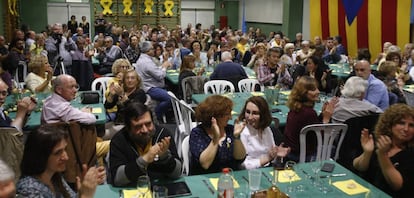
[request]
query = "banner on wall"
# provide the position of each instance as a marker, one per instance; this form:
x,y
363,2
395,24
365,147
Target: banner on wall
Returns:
x,y
361,23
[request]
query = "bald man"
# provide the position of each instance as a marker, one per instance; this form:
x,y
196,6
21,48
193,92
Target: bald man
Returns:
x,y
376,93
57,107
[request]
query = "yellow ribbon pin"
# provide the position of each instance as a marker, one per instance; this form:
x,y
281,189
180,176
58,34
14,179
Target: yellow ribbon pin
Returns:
x,y
148,6
106,4
12,7
168,4
127,7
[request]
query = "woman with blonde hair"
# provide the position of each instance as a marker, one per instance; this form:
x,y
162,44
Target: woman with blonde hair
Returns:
x,y
301,101
39,46
387,159
115,84
131,90
38,80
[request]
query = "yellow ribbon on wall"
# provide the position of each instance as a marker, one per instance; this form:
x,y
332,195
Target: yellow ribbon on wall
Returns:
x,y
127,7
106,5
148,6
168,4
12,7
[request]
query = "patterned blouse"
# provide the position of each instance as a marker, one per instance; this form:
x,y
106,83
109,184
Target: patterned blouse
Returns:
x,y
30,187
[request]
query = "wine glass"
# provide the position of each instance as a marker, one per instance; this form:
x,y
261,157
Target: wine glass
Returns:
x,y
143,186
316,167
290,173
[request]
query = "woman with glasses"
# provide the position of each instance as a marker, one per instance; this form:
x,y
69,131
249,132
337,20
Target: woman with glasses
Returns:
x,y
40,76
257,136
215,144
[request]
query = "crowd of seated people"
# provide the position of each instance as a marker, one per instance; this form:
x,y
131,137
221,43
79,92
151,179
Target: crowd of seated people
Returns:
x,y
138,59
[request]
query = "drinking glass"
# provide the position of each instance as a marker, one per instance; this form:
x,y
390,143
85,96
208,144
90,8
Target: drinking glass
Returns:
x,y
143,185
159,192
316,167
254,179
290,173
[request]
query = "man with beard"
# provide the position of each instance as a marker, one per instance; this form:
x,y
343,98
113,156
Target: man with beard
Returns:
x,y
141,148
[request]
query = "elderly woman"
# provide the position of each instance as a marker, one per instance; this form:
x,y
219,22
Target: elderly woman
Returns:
x,y
304,53
302,99
39,46
186,70
214,144
200,56
38,80
387,73
131,90
387,154
44,159
119,67
352,103
258,57
257,137
289,58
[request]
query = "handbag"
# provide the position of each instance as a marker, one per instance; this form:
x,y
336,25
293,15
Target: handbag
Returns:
x,y
90,97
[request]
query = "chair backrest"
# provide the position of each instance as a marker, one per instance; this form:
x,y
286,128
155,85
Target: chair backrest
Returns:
x,y
326,135
185,149
176,108
100,84
249,85
11,149
352,147
192,85
409,97
187,112
218,87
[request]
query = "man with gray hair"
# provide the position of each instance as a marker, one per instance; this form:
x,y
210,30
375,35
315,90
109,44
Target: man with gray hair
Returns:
x,y
58,46
7,185
351,103
152,77
228,70
108,56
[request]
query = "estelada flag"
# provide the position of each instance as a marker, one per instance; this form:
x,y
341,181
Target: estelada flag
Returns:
x,y
362,23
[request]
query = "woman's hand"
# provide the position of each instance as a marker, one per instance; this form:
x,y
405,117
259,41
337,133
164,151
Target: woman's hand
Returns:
x,y
367,141
282,151
216,129
87,184
238,127
384,144
49,71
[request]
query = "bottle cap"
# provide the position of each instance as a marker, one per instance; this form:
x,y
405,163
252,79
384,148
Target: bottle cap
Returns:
x,y
226,170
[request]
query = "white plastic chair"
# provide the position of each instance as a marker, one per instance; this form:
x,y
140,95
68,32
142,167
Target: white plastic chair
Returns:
x,y
178,119
185,148
409,97
100,84
326,135
249,85
187,115
218,87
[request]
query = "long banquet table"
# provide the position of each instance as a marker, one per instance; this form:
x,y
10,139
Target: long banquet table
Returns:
x,y
199,188
34,119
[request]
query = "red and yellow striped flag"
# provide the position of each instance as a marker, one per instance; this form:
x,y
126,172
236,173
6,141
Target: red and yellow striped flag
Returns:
x,y
375,22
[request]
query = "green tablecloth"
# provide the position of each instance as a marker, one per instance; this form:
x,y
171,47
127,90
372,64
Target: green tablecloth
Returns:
x,y
240,98
172,75
199,189
34,119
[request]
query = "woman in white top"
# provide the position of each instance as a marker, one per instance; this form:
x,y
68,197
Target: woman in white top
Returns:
x,y
196,51
257,137
38,80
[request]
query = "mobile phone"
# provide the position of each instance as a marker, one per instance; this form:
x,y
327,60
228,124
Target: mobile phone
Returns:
x,y
276,110
328,167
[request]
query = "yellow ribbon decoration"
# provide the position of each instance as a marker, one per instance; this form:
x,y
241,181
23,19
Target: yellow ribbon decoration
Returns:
x,y
148,6
106,4
168,4
127,7
12,7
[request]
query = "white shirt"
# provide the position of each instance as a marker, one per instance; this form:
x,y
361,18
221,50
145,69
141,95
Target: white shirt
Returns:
x,y
255,145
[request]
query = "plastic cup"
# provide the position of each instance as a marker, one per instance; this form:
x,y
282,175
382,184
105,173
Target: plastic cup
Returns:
x,y
159,192
254,179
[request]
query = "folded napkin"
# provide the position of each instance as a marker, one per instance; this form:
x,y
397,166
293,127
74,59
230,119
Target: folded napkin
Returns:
x,y
214,182
233,113
283,178
171,70
257,93
134,194
173,74
96,110
350,187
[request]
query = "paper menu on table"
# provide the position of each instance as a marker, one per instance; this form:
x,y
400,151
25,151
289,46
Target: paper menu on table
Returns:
x,y
96,110
283,178
350,187
134,194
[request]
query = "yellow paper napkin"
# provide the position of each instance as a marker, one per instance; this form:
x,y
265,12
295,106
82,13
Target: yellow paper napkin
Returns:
x,y
214,182
350,187
174,74
171,70
96,110
282,176
134,193
257,94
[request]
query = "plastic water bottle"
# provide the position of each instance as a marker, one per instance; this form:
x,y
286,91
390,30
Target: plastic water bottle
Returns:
x,y
225,184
